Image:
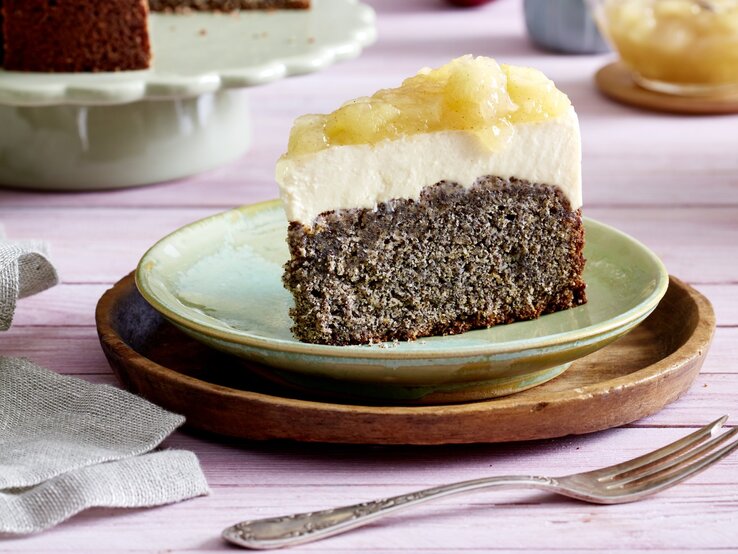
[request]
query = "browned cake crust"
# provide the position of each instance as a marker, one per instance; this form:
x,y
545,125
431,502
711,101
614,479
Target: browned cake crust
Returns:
x,y
454,260
226,5
76,35
2,34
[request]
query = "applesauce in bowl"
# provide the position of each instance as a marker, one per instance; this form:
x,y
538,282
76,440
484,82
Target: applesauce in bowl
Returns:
x,y
684,47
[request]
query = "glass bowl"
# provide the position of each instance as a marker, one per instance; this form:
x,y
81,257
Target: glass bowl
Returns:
x,y
683,47
563,26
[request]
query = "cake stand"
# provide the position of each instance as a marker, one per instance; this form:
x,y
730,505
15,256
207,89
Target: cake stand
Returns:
x,y
188,113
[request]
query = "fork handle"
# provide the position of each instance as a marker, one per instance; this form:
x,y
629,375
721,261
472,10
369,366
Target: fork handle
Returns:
x,y
278,532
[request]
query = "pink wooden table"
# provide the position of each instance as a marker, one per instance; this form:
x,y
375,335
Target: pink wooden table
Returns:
x,y
670,181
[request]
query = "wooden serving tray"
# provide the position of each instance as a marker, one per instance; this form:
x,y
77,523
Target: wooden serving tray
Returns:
x,y
614,81
631,378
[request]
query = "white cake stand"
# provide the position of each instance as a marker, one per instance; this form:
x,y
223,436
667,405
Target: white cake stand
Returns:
x,y
84,131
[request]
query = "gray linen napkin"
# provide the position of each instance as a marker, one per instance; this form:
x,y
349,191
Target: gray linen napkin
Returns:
x,y
58,432
67,444
24,270
149,480
51,424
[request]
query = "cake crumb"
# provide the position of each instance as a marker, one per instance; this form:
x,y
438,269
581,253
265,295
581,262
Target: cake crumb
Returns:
x,y
202,32
556,239
311,40
388,345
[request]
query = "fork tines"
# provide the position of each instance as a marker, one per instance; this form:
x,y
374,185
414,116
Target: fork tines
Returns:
x,y
672,463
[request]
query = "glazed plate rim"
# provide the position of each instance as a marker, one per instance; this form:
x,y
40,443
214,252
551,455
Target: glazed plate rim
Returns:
x,y
589,333
355,31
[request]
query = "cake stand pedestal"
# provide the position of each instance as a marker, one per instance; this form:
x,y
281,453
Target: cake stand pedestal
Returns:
x,y
103,147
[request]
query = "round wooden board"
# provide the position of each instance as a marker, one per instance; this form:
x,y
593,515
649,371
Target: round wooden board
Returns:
x,y
615,81
633,377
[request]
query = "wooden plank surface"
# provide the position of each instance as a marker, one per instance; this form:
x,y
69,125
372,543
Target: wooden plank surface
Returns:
x,y
504,522
672,182
677,234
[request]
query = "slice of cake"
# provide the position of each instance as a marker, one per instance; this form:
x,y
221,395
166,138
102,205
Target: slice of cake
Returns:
x,y
447,204
75,35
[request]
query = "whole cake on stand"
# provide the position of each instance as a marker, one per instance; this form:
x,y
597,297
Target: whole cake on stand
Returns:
x,y
81,36
185,114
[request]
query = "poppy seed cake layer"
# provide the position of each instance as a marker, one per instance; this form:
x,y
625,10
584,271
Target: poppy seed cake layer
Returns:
x,y
456,259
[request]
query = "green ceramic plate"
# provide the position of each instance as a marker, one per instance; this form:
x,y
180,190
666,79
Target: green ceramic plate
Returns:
x,y
219,280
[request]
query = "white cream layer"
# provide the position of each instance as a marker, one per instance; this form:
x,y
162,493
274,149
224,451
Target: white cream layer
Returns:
x,y
364,175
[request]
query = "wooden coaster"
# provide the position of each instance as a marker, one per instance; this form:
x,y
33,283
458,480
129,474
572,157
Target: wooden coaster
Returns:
x,y
631,378
615,81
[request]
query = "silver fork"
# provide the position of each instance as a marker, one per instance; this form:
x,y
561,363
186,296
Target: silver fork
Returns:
x,y
625,482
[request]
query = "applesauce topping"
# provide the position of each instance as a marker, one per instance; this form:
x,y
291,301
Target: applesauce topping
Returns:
x,y
467,94
682,42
